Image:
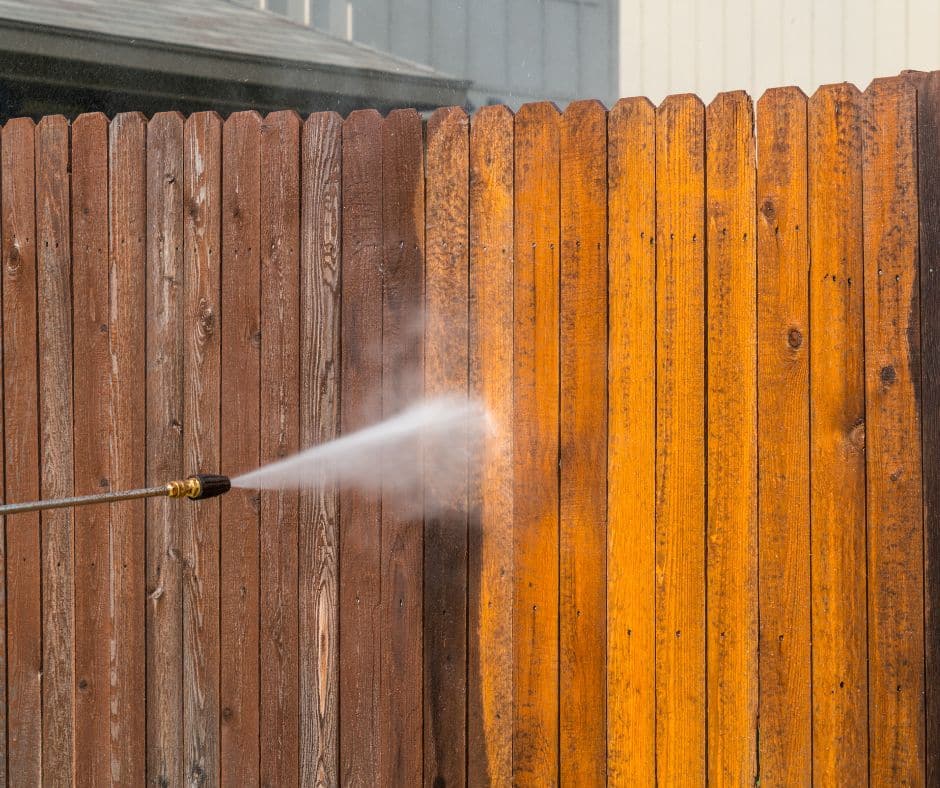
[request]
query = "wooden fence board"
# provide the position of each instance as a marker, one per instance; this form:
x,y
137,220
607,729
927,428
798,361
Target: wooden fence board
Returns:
x,y
583,445
320,259
400,700
535,445
783,447
280,387
164,444
202,370
21,452
446,372
680,441
489,647
4,696
54,279
91,399
928,156
731,584
239,448
360,513
892,389
631,451
127,287
837,401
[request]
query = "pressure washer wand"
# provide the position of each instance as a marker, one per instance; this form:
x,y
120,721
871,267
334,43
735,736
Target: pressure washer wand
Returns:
x,y
196,488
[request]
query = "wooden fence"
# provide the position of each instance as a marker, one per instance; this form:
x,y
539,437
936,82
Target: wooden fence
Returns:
x,y
703,544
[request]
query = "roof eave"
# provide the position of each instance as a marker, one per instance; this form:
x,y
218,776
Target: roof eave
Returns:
x,y
384,87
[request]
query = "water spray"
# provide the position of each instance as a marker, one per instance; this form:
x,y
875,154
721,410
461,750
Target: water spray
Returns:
x,y
390,458
195,488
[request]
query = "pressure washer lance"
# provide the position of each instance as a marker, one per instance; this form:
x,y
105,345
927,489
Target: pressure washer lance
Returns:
x,y
196,488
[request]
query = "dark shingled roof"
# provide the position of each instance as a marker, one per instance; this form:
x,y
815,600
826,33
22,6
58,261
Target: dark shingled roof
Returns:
x,y
216,40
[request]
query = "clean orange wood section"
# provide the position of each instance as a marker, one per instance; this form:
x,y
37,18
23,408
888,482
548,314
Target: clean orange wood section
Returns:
x,y
680,441
631,442
731,580
695,546
783,337
583,445
535,704
837,418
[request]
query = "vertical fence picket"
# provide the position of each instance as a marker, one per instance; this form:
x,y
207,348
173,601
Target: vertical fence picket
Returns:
x,y
535,445
21,455
54,277
928,187
127,306
320,257
400,700
164,444
201,389
91,400
680,440
360,513
731,583
446,372
631,453
280,387
489,649
783,337
837,401
4,695
892,437
583,445
240,441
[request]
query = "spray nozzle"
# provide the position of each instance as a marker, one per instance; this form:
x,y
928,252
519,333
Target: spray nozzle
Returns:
x,y
199,487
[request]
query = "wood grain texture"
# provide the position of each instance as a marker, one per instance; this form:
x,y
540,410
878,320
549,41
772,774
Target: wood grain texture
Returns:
x,y
400,702
680,440
731,583
21,452
127,156
164,445
92,468
928,156
4,710
201,352
535,446
583,445
54,298
280,387
446,371
892,437
837,425
489,648
240,448
631,449
785,748
360,513
320,312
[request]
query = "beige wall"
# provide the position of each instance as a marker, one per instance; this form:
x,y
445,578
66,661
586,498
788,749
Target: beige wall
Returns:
x,y
706,46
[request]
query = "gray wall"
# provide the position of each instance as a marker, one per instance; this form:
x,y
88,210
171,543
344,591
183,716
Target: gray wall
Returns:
x,y
513,50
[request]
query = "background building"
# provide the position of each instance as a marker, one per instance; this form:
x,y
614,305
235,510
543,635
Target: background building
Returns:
x,y
706,46
512,51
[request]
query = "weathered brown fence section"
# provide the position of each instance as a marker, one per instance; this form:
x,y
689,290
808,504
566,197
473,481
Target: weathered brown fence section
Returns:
x,y
703,542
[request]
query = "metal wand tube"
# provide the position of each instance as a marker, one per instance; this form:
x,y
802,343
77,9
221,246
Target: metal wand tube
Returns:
x,y
80,500
195,488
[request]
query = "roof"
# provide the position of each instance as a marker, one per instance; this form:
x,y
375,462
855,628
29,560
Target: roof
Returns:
x,y
205,38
